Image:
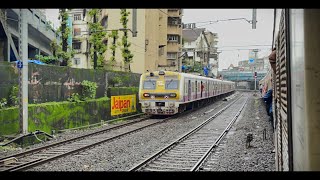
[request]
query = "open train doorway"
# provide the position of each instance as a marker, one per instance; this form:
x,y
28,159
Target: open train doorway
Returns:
x,y
189,90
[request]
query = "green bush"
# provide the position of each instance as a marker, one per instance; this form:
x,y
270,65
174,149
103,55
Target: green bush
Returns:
x,y
13,96
3,103
75,97
89,89
115,80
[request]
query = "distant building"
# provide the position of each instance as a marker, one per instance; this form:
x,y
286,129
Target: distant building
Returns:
x,y
80,38
233,68
200,46
253,63
258,65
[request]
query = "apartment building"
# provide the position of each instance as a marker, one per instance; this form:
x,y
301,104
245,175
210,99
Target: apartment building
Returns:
x,y
78,19
157,44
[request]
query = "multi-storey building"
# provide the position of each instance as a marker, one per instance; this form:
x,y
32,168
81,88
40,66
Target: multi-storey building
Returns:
x,y
200,46
80,38
156,45
40,34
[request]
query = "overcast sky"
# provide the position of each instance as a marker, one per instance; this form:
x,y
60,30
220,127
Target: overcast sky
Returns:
x,y
52,15
231,33
235,33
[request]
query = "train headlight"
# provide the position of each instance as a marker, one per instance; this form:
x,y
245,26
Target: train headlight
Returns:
x,y
146,95
146,104
171,104
173,95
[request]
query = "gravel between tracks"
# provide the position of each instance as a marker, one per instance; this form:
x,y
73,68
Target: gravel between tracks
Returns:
x,y
233,155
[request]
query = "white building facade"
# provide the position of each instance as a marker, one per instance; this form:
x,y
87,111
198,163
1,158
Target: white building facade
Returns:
x,y
200,47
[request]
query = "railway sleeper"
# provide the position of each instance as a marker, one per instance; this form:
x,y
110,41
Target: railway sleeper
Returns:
x,y
177,161
177,168
179,158
170,163
190,151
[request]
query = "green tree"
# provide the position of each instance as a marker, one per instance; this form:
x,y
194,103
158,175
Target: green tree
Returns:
x,y
126,53
97,40
114,36
67,53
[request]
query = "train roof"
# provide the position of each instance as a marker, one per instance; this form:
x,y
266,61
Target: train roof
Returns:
x,y
172,73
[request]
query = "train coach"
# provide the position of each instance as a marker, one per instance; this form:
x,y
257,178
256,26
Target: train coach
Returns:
x,y
295,84
168,93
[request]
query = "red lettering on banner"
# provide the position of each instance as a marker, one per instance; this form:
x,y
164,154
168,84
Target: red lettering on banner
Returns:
x,y
120,104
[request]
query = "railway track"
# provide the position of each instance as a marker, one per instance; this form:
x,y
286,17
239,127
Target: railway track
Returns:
x,y
189,152
38,156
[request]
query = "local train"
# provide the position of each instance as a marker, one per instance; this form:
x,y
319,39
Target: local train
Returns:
x,y
296,85
168,92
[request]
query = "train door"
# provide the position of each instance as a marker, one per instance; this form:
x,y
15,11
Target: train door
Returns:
x,y
189,90
201,88
207,89
196,89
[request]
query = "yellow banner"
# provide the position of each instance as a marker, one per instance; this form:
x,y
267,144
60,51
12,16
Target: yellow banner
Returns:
x,y
123,104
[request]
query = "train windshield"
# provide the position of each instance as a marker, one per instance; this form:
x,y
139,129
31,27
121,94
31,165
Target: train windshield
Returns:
x,y
172,84
149,84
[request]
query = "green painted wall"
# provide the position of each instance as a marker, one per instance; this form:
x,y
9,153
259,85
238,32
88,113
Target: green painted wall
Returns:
x,y
63,115
56,115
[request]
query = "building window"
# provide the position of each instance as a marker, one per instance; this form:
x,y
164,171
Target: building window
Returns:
x,y
76,31
76,45
171,55
77,17
76,61
173,38
174,21
161,50
104,22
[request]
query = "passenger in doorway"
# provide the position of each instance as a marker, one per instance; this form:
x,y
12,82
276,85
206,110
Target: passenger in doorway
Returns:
x,y
268,100
272,59
202,87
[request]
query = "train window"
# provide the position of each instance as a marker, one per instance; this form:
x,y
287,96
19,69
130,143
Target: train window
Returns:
x,y
192,86
149,84
152,77
171,77
172,84
186,87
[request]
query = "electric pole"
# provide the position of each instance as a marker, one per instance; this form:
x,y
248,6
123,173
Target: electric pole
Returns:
x,y
134,22
254,18
23,71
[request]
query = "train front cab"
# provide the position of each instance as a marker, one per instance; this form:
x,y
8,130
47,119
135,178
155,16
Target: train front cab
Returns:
x,y
159,92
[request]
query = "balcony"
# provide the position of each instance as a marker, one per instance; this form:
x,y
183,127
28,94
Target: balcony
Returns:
x,y
174,12
175,21
167,65
173,47
174,30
